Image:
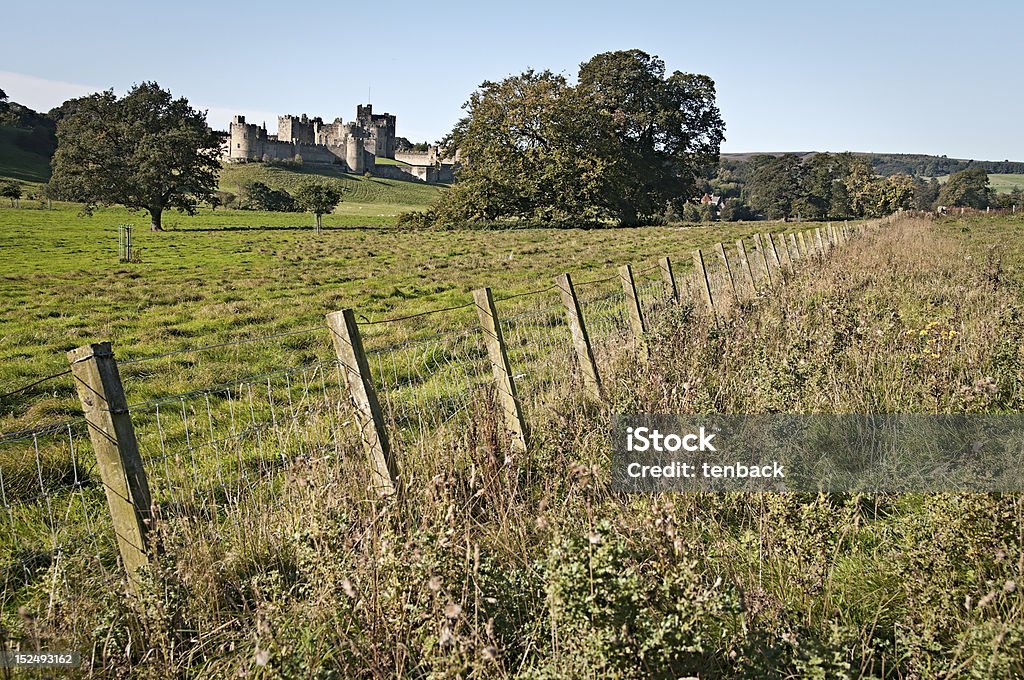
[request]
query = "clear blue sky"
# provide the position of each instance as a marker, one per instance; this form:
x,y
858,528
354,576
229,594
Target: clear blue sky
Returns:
x,y
898,76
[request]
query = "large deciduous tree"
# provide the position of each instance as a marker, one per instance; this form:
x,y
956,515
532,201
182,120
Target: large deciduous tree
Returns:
x,y
967,189
668,130
532,149
622,144
144,151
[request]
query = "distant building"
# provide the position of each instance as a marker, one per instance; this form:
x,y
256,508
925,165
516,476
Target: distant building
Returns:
x,y
357,146
712,200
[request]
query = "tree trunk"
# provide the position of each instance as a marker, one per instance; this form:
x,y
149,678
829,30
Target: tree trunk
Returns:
x,y
155,215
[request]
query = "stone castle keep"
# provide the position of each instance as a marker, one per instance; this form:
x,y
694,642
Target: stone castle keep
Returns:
x,y
356,145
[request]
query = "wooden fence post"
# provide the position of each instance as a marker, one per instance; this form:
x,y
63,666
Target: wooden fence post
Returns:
x,y
728,270
98,383
515,424
580,338
794,249
348,347
804,251
745,265
669,278
818,242
787,261
764,258
633,307
772,252
702,280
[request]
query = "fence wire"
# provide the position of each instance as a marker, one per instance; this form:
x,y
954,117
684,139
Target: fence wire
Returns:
x,y
225,462
56,527
216,456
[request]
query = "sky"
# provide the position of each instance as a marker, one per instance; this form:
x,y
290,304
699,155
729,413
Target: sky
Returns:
x,y
901,76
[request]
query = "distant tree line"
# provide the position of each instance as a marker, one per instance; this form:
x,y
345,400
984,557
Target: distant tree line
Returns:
x,y
42,129
919,165
832,186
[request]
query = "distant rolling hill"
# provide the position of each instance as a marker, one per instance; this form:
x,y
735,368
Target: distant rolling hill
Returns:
x,y
19,163
1004,175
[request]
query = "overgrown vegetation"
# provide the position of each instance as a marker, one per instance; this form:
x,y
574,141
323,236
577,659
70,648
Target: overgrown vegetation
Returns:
x,y
500,563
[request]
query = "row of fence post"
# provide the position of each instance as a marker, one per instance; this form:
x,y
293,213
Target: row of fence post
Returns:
x,y
100,390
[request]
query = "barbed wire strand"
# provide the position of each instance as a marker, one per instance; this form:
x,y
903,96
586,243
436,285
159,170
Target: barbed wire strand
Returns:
x,y
37,382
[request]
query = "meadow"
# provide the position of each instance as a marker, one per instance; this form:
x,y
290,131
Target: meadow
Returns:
x,y
500,563
229,275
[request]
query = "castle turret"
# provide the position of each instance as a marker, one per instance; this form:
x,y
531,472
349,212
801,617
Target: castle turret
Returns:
x,y
243,140
354,151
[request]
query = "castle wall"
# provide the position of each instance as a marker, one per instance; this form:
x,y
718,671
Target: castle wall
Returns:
x,y
416,157
355,145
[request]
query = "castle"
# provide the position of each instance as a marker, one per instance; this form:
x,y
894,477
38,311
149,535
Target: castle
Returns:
x,y
357,145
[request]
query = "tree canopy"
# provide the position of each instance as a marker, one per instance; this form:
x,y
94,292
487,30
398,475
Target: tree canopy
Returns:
x,y
145,151
967,189
622,144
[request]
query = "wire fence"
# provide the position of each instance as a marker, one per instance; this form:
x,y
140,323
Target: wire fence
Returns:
x,y
224,460
56,525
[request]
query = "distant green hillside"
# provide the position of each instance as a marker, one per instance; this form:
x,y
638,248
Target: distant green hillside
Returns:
x,y
17,163
354,188
1000,183
919,165
1004,184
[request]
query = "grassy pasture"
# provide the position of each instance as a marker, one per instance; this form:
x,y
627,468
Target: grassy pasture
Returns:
x,y
1000,183
226,275
531,566
376,199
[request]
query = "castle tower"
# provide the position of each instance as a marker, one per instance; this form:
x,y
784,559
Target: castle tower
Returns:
x,y
238,142
245,140
354,148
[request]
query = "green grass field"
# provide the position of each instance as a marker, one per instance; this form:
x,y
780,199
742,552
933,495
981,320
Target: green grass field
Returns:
x,y
1000,183
377,199
225,275
500,562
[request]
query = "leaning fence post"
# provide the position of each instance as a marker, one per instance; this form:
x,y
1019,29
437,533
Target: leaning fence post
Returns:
x,y
787,261
794,249
767,238
702,280
728,270
804,250
759,244
580,338
818,242
501,368
745,265
348,346
669,278
98,383
636,316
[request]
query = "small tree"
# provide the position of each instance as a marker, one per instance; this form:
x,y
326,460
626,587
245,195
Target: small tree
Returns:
x,y
11,190
318,198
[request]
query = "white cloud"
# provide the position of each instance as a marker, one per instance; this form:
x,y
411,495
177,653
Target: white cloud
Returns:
x,y
43,94
39,93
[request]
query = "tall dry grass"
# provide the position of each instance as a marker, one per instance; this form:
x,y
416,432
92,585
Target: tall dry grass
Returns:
x,y
503,564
